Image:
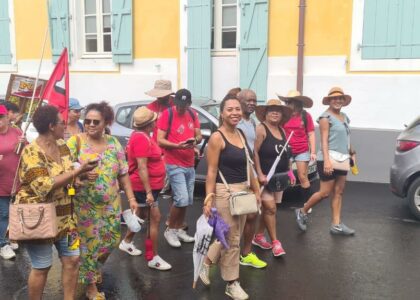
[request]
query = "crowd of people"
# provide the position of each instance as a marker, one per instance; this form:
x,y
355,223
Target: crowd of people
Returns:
x,y
82,168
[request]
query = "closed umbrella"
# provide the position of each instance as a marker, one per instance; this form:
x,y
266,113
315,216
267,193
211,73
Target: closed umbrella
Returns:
x,y
148,244
220,227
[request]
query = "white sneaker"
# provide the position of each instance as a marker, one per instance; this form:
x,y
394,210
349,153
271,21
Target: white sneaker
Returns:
x,y
129,248
184,237
14,246
159,264
172,238
235,291
7,252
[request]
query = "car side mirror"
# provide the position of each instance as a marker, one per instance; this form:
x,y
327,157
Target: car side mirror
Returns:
x,y
205,133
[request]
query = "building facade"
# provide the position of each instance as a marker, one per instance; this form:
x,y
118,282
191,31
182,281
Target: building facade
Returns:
x,y
371,48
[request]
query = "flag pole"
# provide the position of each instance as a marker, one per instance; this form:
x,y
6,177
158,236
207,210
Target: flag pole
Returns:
x,y
28,117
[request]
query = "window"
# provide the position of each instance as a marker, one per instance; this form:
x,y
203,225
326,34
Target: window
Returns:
x,y
385,35
97,27
224,25
7,37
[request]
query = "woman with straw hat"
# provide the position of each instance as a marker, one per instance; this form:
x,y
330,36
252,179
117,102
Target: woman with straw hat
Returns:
x,y
303,139
270,140
335,138
147,176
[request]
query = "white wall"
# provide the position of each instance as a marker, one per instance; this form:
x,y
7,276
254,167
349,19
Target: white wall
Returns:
x,y
380,101
225,75
128,82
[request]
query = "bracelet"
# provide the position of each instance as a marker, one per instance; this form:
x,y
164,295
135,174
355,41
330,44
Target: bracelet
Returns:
x,y
149,192
133,198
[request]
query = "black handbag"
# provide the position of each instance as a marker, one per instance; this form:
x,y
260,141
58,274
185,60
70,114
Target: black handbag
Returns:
x,y
279,182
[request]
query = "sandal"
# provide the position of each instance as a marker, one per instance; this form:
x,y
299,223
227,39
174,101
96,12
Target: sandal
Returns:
x,y
98,296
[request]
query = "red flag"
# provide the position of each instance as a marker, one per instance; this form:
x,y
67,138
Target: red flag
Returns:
x,y
56,91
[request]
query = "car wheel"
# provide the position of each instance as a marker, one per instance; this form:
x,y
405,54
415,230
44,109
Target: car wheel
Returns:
x,y
413,198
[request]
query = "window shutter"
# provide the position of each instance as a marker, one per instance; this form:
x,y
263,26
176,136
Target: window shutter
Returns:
x,y
5,51
59,25
253,46
198,49
391,29
410,29
122,31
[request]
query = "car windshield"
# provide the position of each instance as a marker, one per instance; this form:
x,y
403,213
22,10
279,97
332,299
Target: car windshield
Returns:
x,y
212,109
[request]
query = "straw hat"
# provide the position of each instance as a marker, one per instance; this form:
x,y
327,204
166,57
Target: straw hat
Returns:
x,y
336,92
143,117
161,89
296,95
261,110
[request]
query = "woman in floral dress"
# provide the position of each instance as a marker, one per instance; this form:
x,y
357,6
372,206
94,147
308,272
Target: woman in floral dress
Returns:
x,y
97,203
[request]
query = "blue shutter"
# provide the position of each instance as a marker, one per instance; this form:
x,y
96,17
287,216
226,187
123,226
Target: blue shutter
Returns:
x,y
59,25
410,29
122,31
391,29
5,52
198,49
253,46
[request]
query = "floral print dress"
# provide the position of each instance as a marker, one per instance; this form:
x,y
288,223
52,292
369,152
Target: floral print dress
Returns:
x,y
97,205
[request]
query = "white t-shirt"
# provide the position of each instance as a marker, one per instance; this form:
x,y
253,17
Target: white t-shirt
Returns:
x,y
248,128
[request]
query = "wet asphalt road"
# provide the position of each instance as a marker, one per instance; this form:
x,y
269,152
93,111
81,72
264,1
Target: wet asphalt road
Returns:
x,y
382,261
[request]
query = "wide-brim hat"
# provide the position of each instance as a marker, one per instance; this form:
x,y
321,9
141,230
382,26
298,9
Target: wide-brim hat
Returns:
x,y
162,88
336,92
261,110
294,95
143,117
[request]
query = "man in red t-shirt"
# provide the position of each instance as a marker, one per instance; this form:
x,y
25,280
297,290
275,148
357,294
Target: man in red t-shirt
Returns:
x,y
9,160
163,93
178,133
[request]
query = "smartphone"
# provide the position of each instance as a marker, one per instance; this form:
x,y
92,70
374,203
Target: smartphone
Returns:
x,y
94,161
190,141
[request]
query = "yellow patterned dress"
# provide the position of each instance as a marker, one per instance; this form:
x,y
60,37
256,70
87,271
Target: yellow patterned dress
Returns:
x,y
36,173
97,206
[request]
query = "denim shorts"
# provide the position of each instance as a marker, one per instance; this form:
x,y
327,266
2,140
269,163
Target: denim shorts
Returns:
x,y
141,198
305,156
41,254
182,184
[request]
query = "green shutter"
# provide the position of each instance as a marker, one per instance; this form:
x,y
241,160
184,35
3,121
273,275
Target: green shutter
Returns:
x,y
122,31
59,25
391,29
410,29
5,51
198,49
253,46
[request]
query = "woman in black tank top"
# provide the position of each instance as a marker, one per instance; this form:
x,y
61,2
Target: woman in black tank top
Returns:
x,y
226,153
270,140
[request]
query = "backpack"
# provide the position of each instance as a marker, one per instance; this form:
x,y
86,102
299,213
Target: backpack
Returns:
x,y
171,116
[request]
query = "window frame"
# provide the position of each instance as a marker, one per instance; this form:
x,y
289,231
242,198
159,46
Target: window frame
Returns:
x,y
79,61
359,64
12,67
217,29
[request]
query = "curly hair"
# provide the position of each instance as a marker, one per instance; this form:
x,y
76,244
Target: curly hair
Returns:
x,y
104,109
43,117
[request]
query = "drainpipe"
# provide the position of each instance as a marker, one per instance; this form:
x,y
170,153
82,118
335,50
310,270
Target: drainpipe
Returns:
x,y
301,45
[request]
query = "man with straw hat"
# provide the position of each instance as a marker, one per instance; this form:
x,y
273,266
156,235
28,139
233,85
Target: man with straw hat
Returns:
x,y
303,139
163,93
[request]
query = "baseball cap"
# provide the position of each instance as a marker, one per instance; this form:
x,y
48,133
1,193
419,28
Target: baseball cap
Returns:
x,y
74,104
182,97
3,110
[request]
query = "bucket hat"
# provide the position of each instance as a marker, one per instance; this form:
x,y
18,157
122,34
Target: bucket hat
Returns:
x,y
261,110
336,92
297,96
162,88
143,117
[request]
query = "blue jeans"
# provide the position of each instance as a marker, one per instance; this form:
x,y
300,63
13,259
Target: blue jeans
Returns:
x,y
4,219
182,184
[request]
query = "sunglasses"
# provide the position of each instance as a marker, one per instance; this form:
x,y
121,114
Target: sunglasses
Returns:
x,y
338,98
90,122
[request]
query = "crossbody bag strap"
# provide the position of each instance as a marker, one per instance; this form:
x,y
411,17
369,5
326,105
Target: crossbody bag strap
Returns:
x,y
248,179
224,181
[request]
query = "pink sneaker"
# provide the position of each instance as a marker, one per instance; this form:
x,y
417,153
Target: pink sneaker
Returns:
x,y
260,241
278,248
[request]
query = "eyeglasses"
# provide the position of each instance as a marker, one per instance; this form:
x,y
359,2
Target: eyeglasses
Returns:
x,y
338,98
2,116
90,121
